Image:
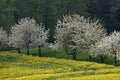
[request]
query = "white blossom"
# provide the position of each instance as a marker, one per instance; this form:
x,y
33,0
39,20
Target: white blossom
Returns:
x,y
3,37
75,30
42,36
27,33
54,46
108,45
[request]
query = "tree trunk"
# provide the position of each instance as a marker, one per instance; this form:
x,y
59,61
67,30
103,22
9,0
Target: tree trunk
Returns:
x,y
90,58
74,52
101,59
19,50
66,50
54,52
39,51
74,56
115,58
28,52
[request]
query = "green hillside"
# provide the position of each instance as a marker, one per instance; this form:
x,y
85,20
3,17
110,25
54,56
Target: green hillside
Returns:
x,y
21,67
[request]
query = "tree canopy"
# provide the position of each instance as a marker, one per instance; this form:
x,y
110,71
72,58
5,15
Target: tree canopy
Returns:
x,y
48,11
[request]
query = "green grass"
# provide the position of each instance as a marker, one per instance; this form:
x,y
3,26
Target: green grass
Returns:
x,y
15,66
81,56
47,52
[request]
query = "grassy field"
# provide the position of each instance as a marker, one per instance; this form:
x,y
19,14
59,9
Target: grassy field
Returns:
x,y
81,56
47,52
14,66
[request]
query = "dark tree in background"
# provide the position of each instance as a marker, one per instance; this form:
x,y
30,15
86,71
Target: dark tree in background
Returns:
x,y
65,7
117,16
49,16
106,11
6,13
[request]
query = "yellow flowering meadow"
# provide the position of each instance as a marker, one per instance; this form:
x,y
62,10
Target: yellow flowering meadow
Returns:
x,y
14,66
97,77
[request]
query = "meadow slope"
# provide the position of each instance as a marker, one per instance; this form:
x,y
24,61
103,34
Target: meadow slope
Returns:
x,y
14,66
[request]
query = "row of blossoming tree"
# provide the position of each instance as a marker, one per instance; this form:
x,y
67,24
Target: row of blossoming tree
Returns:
x,y
73,32
25,34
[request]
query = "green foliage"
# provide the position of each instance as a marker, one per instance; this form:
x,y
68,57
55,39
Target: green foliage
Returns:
x,y
7,10
81,55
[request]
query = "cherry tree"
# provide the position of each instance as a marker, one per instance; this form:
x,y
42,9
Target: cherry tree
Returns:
x,y
77,32
91,33
41,38
27,33
64,31
15,39
3,38
100,49
109,44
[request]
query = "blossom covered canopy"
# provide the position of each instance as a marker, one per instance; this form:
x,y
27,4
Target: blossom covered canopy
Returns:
x,y
107,45
75,30
27,33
